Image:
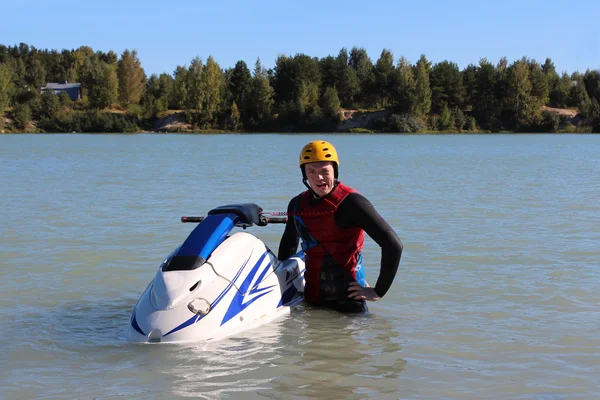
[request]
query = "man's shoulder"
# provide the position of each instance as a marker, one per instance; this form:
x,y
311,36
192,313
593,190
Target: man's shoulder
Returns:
x,y
298,196
355,200
293,201
354,195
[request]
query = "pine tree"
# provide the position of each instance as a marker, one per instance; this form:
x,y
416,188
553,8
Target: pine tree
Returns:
x,y
422,105
404,86
539,84
363,67
262,97
179,98
384,71
6,85
330,104
240,85
347,83
446,86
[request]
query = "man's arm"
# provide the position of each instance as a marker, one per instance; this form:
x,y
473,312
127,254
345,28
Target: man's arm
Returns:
x,y
288,246
357,211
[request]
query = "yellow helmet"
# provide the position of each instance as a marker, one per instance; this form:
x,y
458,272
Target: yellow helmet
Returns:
x,y
318,150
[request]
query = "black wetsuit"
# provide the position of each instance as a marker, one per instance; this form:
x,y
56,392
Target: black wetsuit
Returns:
x,y
355,211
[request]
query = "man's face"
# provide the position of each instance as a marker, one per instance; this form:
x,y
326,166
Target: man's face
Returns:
x,y
320,177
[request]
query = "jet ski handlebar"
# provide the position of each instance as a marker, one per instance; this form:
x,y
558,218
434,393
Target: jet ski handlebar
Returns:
x,y
264,220
192,219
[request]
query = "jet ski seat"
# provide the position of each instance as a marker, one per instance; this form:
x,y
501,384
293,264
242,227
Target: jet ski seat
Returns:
x,y
249,213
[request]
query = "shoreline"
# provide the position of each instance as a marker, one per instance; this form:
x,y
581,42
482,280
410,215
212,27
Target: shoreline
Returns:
x,y
350,122
216,132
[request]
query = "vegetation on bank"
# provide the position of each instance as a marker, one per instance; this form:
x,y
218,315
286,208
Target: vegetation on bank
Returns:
x,y
300,94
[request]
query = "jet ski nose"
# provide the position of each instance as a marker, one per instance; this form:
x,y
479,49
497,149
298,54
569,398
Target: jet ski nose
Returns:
x,y
155,336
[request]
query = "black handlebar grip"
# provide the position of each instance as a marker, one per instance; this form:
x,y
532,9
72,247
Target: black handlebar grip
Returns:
x,y
277,220
192,219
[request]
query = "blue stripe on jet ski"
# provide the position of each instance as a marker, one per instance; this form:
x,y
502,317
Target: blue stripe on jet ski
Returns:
x,y
237,305
291,291
208,235
135,325
287,296
197,318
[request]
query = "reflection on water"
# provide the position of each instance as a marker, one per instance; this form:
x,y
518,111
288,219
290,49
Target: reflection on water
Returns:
x,y
332,355
311,354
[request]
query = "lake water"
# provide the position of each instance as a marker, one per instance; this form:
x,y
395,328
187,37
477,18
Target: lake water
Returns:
x,y
497,295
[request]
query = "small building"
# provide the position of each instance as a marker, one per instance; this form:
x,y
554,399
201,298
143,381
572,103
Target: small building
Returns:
x,y
72,89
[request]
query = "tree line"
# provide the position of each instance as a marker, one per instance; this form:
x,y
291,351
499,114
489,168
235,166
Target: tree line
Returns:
x,y
300,93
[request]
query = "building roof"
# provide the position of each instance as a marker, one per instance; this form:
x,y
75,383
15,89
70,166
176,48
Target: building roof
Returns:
x,y
52,85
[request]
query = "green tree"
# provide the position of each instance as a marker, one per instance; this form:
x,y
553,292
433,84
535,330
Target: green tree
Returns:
x,y
469,77
347,83
404,86
363,66
578,96
328,70
383,73
446,86
22,114
166,85
262,97
235,117
539,84
330,104
64,100
179,98
504,116
18,68
422,104
519,101
459,119
592,115
35,74
81,60
551,78
132,78
110,58
559,96
6,88
548,122
50,105
211,83
290,72
485,102
240,85
591,80
307,99
157,94
471,124
195,89
446,122
104,86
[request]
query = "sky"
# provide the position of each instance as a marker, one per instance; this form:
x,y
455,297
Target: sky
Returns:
x,y
171,33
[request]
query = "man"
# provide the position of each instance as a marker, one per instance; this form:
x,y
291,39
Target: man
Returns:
x,y
331,218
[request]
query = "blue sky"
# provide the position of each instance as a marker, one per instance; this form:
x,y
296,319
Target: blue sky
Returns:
x,y
167,34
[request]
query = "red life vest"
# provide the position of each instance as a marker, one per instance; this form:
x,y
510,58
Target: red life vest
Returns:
x,y
331,253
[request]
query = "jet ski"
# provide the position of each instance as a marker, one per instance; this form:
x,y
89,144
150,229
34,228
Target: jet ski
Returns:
x,y
218,283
